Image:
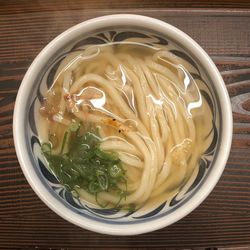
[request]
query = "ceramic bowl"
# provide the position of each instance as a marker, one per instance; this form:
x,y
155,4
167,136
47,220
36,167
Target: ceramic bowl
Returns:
x,y
39,77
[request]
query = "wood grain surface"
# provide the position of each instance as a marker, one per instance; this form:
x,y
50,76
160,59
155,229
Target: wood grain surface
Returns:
x,y
223,219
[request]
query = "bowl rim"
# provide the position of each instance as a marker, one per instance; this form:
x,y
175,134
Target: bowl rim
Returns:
x,y
20,112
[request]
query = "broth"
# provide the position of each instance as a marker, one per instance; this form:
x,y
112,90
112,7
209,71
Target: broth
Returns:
x,y
125,123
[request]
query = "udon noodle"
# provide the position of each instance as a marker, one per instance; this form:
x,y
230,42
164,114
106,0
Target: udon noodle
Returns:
x,y
147,108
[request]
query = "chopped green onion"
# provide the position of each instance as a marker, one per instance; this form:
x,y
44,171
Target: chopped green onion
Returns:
x,y
46,147
102,179
105,156
94,187
115,171
64,141
82,164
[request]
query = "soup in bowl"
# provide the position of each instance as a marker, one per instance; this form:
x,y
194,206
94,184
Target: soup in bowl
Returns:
x,y
128,126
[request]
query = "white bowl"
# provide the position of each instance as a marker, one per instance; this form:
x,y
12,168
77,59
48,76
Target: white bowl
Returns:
x,y
53,194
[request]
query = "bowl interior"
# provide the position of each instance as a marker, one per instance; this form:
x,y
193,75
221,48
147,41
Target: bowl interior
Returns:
x,y
116,215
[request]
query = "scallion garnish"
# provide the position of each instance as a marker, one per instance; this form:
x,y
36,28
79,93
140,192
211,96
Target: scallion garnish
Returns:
x,y
85,165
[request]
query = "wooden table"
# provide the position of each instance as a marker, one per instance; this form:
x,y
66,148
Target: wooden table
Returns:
x,y
223,219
